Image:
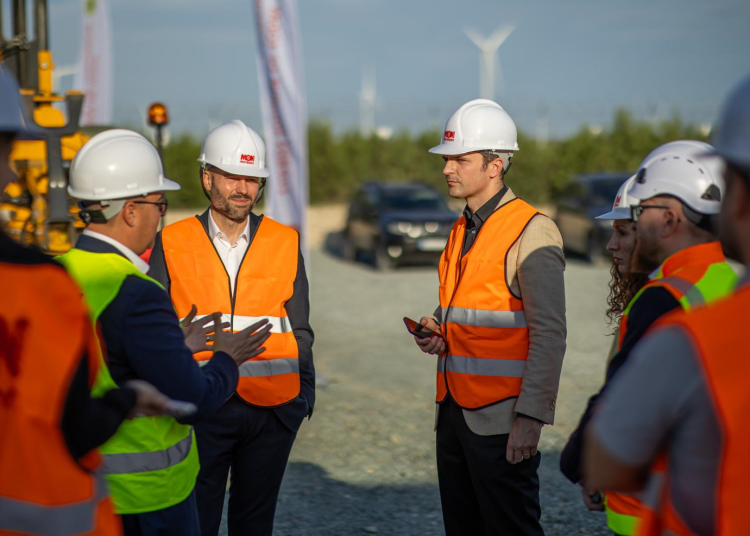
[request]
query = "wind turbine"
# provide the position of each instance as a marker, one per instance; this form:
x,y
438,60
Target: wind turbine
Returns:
x,y
367,96
488,53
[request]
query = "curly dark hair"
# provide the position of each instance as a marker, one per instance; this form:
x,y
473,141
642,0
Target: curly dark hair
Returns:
x,y
622,289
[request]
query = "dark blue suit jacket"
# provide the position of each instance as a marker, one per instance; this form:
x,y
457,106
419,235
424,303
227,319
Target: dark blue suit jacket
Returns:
x,y
143,340
298,311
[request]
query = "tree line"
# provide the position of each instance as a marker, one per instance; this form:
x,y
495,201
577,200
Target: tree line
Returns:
x,y
339,163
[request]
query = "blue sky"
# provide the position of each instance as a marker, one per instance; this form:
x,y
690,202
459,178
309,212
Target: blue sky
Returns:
x,y
579,59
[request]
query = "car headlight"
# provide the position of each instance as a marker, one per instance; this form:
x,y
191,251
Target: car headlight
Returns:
x,y
400,227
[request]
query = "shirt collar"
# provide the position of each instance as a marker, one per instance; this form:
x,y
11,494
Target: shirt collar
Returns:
x,y
214,230
139,263
486,210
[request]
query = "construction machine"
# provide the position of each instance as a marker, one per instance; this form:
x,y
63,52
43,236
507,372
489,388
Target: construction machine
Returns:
x,y
36,209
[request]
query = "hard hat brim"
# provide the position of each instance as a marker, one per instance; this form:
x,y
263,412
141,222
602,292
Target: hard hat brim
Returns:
x,y
452,149
243,170
616,214
169,186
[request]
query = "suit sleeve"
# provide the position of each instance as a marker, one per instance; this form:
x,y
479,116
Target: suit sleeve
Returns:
x,y
146,334
158,264
541,267
298,310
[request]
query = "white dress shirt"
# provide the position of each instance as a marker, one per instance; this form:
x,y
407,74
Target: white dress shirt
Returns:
x,y
231,254
129,253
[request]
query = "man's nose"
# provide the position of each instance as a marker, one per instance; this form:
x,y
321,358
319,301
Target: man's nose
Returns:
x,y
449,168
242,187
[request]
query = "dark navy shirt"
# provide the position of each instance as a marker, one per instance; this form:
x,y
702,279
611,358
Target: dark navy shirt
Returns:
x,y
144,340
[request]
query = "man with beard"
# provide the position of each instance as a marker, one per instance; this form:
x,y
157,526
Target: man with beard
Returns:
x,y
690,376
677,249
249,268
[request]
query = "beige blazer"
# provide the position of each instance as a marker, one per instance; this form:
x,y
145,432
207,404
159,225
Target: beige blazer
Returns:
x,y
535,270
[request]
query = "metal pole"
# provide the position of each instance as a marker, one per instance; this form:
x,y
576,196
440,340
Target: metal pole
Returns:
x,y
19,31
41,26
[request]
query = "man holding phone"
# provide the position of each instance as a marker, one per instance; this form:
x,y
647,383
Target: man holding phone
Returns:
x,y
248,267
502,324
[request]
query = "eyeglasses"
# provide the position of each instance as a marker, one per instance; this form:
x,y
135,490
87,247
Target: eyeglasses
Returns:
x,y
161,204
636,211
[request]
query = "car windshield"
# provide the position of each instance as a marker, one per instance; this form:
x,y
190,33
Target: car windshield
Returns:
x,y
603,192
411,199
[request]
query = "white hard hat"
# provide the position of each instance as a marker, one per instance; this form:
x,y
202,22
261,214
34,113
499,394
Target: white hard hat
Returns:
x,y
478,125
235,148
117,164
731,138
623,202
685,177
12,117
685,147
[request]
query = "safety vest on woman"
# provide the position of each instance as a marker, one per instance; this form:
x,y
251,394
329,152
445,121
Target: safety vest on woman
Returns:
x,y
264,284
694,276
484,324
151,463
718,334
44,332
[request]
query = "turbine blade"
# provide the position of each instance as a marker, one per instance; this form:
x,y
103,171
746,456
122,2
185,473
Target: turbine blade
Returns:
x,y
475,37
499,37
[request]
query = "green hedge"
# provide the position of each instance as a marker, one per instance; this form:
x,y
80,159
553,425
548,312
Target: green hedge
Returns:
x,y
340,163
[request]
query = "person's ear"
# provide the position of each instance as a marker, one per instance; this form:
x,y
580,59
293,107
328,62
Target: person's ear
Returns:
x,y
497,168
670,222
128,213
206,180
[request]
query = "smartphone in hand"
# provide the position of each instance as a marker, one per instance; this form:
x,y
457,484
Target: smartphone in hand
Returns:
x,y
418,330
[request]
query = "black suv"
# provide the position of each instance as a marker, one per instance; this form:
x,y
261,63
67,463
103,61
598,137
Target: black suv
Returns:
x,y
397,223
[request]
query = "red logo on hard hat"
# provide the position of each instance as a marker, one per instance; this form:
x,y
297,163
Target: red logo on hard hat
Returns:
x,y
247,159
617,201
449,135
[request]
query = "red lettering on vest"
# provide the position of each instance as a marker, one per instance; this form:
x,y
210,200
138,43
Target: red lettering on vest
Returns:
x,y
247,159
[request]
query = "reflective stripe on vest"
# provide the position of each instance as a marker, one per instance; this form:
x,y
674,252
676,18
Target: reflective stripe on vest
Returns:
x,y
141,462
719,335
60,520
694,276
264,283
484,324
151,463
44,491
485,319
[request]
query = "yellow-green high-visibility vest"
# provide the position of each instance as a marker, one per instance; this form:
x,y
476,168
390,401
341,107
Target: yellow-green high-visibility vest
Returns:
x,y
151,463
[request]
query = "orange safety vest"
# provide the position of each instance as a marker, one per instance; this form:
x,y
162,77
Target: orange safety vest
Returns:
x,y
719,338
694,276
264,284
44,331
484,324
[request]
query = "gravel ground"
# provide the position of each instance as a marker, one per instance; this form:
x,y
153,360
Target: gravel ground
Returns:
x,y
365,463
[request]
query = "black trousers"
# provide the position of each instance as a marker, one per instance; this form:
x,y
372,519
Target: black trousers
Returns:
x,y
178,520
256,445
481,493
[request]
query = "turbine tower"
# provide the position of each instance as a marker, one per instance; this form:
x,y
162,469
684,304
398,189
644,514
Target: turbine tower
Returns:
x,y
488,53
367,96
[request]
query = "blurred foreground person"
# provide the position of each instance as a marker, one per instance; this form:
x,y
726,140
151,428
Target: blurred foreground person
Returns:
x,y
50,426
151,463
678,253
684,396
502,321
248,267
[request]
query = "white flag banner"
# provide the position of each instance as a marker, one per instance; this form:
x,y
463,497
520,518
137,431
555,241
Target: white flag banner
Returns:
x,y
94,74
284,105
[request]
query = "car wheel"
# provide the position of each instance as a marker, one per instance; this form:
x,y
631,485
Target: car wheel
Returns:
x,y
592,248
348,249
383,261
